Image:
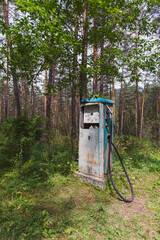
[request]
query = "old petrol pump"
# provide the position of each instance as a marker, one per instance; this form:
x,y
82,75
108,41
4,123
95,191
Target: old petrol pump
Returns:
x,y
96,143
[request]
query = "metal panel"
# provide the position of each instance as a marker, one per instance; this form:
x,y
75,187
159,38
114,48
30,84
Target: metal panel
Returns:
x,y
91,145
89,151
91,114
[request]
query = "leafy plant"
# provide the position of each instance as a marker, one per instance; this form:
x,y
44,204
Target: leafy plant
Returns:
x,y
18,136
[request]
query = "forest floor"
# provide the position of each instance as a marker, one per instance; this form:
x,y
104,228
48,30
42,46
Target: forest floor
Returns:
x,y
62,207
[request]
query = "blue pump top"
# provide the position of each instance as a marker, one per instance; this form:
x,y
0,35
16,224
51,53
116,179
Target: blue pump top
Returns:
x,y
102,100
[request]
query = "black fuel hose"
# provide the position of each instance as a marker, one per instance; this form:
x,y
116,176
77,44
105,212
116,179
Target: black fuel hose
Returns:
x,y
110,174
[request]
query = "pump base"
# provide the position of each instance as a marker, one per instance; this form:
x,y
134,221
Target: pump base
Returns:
x,y
99,182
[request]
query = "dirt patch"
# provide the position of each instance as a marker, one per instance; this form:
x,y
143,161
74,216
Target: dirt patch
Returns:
x,y
137,215
84,195
130,210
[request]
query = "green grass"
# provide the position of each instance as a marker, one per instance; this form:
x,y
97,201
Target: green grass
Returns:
x,y
62,207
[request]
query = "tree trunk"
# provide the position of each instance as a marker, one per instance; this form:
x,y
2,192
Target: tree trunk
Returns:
x,y
137,92
57,107
53,96
136,127
66,111
138,107
141,128
16,94
7,93
83,75
95,54
6,13
0,109
110,91
32,100
101,78
122,119
74,86
113,98
158,114
22,97
15,85
48,108
45,97
35,104
120,109
25,94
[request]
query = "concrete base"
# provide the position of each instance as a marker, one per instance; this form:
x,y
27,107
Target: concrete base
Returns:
x,y
99,182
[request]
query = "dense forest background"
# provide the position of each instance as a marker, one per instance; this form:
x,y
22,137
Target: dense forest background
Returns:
x,y
54,53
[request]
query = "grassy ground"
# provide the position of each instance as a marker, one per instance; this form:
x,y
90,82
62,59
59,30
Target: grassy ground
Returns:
x,y
62,207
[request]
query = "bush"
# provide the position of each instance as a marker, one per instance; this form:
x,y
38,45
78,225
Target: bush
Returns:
x,y
60,154
138,153
18,136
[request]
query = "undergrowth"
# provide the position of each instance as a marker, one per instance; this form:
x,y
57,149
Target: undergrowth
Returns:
x,y
41,199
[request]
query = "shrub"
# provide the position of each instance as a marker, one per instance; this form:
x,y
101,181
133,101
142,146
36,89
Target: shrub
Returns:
x,y
18,136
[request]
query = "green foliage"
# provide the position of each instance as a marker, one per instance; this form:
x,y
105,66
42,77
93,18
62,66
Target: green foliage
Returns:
x,y
18,135
138,153
60,154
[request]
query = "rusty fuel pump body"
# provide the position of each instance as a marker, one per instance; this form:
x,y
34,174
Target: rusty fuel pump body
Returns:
x,y
96,144
94,132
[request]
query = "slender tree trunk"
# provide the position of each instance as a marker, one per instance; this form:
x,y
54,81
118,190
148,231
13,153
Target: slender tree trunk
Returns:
x,y
35,104
83,75
7,93
32,100
74,86
137,92
6,17
76,74
95,55
22,94
138,109
113,97
15,85
141,129
120,108
0,109
45,98
57,107
158,114
66,110
110,91
48,108
122,118
16,94
25,94
136,127
101,78
60,103
53,97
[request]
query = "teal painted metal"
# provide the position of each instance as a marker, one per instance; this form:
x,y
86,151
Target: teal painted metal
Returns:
x,y
102,100
94,130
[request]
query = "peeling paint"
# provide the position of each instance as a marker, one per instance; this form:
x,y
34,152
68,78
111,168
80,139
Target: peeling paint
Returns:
x,y
93,143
